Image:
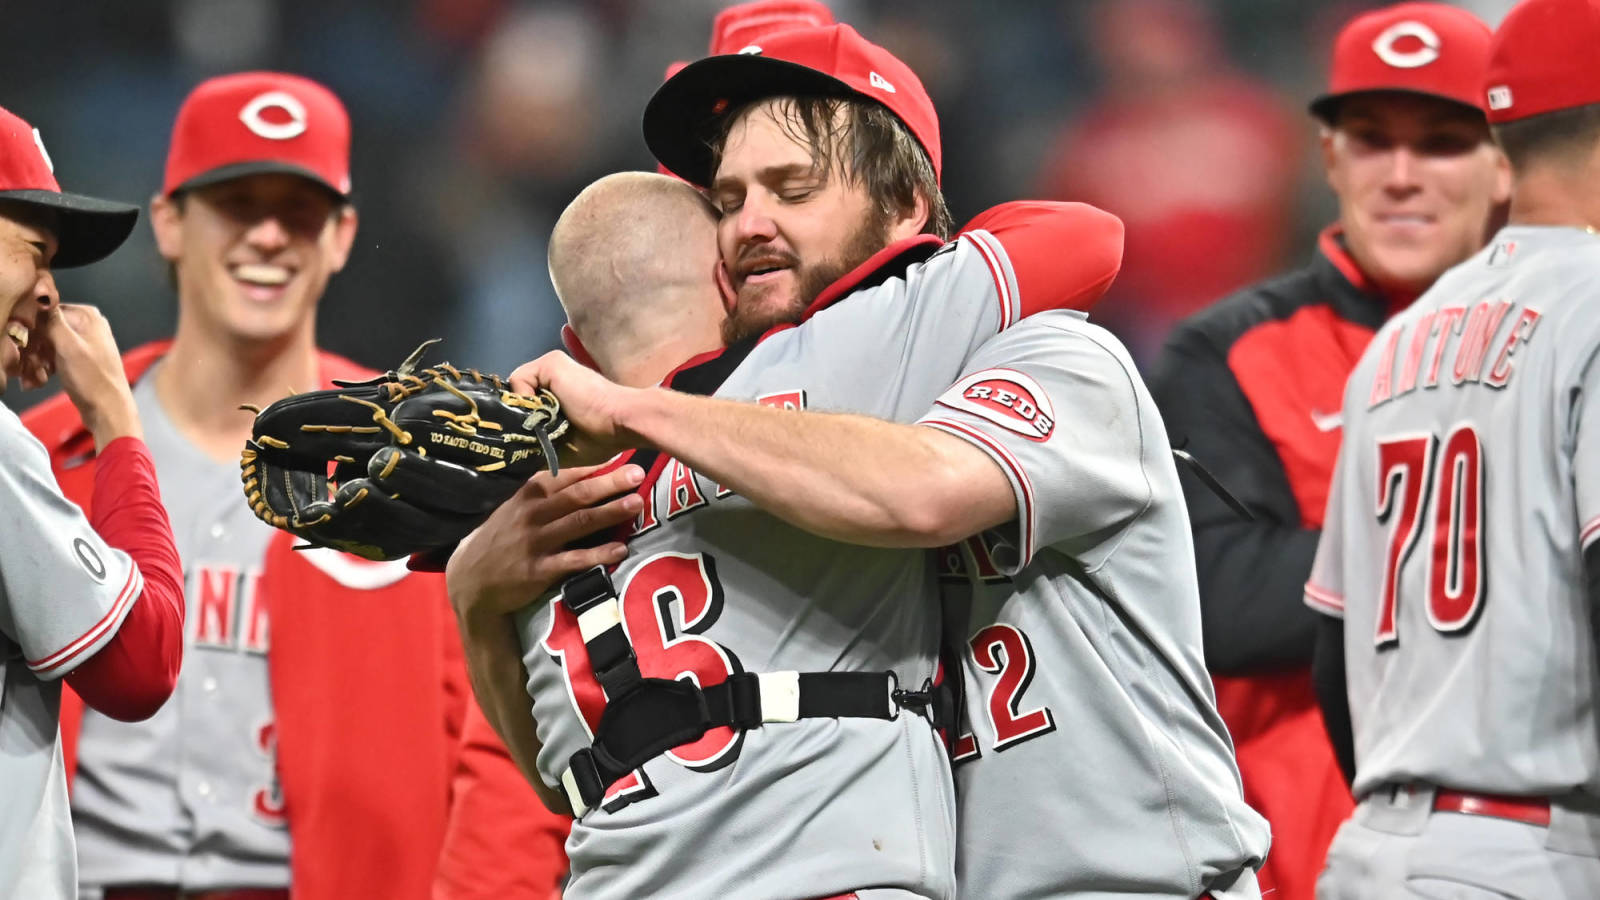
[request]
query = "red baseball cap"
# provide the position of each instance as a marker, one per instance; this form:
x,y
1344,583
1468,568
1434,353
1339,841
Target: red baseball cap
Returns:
x,y
682,118
1543,59
1416,48
254,122
743,24
87,228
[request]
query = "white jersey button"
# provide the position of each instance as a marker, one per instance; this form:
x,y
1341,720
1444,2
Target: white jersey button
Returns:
x,y
218,531
209,685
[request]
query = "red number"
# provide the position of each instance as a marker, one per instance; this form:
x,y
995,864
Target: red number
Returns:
x,y
267,802
1403,478
667,603
1407,480
1005,651
1455,577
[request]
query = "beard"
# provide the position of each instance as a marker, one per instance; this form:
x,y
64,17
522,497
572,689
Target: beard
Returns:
x,y
751,319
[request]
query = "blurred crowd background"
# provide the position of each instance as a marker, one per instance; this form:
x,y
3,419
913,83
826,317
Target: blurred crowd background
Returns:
x,y
475,121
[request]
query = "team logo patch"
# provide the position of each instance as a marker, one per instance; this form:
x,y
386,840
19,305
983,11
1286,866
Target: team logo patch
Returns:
x,y
1007,398
92,563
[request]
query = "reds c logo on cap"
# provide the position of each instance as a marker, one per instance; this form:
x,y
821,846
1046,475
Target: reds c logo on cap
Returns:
x,y
253,119
1385,45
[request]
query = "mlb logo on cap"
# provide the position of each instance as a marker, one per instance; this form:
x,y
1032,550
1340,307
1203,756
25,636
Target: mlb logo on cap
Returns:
x,y
257,122
1543,59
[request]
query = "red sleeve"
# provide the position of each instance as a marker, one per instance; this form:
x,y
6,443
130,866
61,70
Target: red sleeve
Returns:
x,y
1064,255
500,840
135,672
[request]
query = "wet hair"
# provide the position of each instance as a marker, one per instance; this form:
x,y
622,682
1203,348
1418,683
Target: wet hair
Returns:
x,y
1565,135
866,145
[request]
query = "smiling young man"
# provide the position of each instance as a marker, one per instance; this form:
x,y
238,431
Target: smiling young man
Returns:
x,y
93,598
1254,386
309,745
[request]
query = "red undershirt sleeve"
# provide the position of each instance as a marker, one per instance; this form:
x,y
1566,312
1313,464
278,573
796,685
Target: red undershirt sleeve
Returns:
x,y
1064,255
135,672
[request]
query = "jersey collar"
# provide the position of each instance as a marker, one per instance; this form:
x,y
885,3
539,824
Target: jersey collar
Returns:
x,y
890,262
1331,247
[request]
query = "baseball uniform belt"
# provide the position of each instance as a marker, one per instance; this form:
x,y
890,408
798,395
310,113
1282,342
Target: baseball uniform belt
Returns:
x,y
645,717
173,892
1532,810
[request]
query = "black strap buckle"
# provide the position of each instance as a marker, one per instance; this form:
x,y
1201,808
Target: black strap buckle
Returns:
x,y
936,702
586,590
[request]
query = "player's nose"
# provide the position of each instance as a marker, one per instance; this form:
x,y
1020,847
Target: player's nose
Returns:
x,y
754,222
1402,171
268,234
45,292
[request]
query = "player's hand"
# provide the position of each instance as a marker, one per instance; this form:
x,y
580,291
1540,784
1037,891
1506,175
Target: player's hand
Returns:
x,y
520,552
78,345
591,402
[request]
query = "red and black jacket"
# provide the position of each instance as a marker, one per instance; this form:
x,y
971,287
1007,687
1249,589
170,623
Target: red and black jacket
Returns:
x,y
1252,386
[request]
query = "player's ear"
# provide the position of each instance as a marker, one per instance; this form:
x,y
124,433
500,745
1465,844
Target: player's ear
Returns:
x,y
725,286
1325,143
344,234
910,221
1502,177
166,221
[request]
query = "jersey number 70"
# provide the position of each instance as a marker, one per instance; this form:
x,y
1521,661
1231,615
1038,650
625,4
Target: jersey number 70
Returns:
x,y
1409,476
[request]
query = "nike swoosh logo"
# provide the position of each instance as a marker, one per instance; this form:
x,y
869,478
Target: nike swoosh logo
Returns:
x,y
1327,421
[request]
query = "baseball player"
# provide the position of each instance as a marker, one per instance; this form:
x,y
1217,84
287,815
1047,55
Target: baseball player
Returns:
x,y
1458,572
856,522
1252,387
94,599
280,763
662,278
649,238
880,815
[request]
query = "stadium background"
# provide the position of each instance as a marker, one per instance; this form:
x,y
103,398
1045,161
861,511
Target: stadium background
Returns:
x,y
475,121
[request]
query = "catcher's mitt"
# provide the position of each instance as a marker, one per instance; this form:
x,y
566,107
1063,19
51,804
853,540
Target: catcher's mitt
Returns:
x,y
410,461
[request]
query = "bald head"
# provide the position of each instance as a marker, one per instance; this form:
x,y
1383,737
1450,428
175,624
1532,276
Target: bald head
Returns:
x,y
633,260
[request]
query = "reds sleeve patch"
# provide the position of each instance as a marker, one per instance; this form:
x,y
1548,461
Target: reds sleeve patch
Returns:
x,y
1007,398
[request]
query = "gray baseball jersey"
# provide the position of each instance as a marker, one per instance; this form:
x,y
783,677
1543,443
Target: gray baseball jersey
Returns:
x,y
714,586
189,796
63,595
1095,764
1466,489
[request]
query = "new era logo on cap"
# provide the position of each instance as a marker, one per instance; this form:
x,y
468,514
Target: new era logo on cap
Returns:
x,y
1407,45
1500,97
